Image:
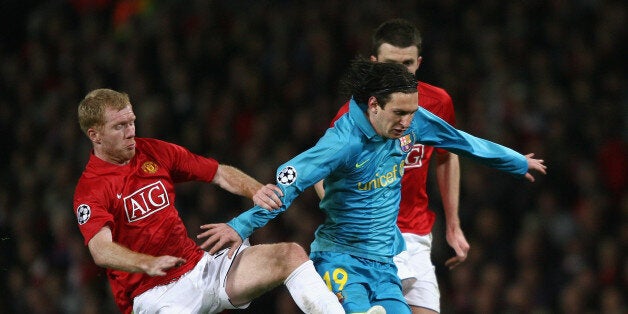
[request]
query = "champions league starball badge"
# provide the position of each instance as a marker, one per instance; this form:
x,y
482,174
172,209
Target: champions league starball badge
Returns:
x,y
287,175
83,212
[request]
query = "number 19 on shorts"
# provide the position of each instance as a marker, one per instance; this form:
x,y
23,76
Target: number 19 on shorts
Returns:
x,y
338,277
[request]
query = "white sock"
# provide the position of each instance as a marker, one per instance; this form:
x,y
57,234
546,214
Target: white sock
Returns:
x,y
310,292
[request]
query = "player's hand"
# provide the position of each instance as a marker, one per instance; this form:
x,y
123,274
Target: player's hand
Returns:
x,y
534,164
457,241
267,197
219,236
157,266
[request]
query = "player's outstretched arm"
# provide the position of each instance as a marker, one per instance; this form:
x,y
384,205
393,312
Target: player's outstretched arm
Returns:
x,y
111,255
219,236
240,183
536,165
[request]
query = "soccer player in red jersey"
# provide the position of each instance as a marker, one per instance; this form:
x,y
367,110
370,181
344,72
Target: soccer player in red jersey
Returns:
x,y
399,41
124,205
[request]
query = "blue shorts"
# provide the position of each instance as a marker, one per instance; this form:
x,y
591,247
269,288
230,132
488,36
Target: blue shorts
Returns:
x,y
361,283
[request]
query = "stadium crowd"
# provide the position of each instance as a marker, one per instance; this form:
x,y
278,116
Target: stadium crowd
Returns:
x,y
253,82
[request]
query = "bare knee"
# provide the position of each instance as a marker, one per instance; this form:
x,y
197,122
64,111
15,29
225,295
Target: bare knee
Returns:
x,y
262,267
285,257
276,261
290,255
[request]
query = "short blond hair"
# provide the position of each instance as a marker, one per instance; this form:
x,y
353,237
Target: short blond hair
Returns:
x,y
91,110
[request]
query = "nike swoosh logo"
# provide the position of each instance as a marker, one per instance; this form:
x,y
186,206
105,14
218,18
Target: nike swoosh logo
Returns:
x,y
359,165
119,196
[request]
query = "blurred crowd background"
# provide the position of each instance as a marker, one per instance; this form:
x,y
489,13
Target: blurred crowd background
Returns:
x,y
252,83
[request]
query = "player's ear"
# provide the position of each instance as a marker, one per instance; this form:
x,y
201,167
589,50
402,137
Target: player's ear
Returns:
x,y
373,104
93,135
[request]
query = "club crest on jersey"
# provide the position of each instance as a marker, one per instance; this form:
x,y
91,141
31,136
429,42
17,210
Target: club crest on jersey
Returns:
x,y
149,167
287,175
83,212
406,142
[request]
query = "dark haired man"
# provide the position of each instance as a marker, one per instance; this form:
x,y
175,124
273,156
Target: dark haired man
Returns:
x,y
362,160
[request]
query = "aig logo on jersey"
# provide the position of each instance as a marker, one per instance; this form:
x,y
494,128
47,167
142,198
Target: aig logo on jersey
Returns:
x,y
146,201
287,175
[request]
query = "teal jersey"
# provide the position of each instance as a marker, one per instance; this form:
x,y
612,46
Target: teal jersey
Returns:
x,y
362,173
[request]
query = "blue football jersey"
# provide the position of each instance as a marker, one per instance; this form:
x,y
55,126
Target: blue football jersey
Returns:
x,y
362,173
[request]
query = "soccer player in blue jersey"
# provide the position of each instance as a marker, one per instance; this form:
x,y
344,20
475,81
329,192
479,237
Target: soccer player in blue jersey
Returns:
x,y
361,159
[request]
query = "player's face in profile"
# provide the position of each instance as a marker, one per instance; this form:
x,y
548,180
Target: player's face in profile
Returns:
x,y
117,136
394,119
408,56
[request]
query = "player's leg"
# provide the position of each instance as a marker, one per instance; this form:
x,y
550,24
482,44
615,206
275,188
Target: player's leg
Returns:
x,y
421,292
387,290
346,277
358,281
180,296
260,268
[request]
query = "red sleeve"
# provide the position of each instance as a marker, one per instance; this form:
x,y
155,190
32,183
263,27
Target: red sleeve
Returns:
x,y
90,208
185,165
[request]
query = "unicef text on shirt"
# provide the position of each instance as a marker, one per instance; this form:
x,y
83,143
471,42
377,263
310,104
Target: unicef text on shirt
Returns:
x,y
384,180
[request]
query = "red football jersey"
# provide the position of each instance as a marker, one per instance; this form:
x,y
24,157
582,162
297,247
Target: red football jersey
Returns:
x,y
137,202
414,214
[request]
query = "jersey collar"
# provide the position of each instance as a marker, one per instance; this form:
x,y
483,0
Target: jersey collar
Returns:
x,y
359,116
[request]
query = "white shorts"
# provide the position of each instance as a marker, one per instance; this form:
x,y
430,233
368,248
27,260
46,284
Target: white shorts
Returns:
x,y
417,273
201,290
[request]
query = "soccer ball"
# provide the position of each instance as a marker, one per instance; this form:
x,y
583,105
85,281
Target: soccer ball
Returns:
x,y
287,175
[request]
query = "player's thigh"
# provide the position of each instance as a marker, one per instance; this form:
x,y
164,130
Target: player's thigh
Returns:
x,y
195,291
260,268
416,260
387,291
420,256
177,297
355,298
352,279
421,291
422,294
